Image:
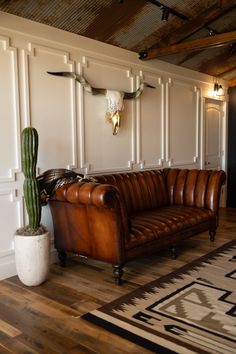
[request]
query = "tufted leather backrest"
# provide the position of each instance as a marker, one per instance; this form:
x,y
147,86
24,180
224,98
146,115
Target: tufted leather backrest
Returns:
x,y
140,191
199,188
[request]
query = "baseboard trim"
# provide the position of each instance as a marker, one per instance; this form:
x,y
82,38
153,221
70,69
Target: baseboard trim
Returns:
x,y
8,266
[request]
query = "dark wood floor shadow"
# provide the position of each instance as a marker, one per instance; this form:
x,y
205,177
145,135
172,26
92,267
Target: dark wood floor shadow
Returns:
x,y
46,319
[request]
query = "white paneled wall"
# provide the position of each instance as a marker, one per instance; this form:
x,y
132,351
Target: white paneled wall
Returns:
x,y
182,139
51,105
9,103
111,152
150,122
159,129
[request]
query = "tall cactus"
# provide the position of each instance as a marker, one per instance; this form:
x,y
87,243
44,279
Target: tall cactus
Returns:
x,y
29,151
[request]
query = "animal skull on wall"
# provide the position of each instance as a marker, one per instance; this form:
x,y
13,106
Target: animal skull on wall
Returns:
x,y
114,106
114,98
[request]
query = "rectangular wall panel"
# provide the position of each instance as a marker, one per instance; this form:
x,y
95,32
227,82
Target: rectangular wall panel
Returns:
x,y
104,151
150,118
9,103
182,123
10,218
51,106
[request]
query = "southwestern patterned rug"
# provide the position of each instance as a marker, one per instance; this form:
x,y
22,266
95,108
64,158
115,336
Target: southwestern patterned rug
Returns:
x,y
191,310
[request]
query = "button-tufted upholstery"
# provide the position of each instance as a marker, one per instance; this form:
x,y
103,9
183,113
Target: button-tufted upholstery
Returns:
x,y
126,215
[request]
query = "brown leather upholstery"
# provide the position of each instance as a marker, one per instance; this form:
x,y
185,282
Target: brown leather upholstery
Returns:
x,y
126,215
139,190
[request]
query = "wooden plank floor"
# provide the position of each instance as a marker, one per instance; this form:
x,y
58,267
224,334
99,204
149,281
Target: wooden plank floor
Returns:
x,y
46,319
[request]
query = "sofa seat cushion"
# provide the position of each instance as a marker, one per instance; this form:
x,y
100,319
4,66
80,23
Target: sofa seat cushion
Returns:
x,y
150,225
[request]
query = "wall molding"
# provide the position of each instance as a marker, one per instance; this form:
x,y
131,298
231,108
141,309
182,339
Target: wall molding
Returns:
x,y
33,50
5,46
171,162
84,68
8,266
7,257
147,76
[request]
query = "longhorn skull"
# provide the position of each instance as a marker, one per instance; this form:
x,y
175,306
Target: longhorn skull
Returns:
x,y
114,98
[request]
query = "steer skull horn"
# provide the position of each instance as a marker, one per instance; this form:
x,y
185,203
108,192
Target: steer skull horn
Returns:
x,y
114,98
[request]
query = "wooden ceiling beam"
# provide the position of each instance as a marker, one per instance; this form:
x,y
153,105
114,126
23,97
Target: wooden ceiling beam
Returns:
x,y
203,19
181,30
190,46
232,82
228,71
219,64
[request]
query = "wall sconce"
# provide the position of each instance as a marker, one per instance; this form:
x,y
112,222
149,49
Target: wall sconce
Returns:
x,y
218,89
165,13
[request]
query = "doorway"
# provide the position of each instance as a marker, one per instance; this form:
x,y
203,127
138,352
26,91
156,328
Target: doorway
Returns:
x,y
214,142
213,134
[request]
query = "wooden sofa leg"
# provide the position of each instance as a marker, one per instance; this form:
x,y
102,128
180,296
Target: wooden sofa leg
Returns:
x,y
173,252
62,258
212,234
118,273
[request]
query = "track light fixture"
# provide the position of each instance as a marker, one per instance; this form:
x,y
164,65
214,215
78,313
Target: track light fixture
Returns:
x,y
165,10
211,31
165,13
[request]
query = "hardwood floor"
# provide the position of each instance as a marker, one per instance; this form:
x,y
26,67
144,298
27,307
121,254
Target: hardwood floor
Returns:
x,y
46,319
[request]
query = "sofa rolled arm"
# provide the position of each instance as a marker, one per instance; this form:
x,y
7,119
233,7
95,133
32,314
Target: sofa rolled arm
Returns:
x,y
90,219
216,181
90,193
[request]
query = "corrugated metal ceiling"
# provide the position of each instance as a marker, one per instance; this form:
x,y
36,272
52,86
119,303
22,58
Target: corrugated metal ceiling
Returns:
x,y
137,25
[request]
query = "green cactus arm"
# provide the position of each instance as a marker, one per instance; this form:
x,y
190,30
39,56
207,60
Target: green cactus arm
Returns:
x,y
33,202
29,148
29,151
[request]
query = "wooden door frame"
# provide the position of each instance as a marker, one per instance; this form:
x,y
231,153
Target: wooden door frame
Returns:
x,y
224,132
224,138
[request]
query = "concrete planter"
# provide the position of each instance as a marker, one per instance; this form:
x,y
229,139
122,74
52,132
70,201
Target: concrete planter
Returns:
x,y
32,256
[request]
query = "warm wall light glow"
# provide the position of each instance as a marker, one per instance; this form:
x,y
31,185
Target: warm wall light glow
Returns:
x,y
218,90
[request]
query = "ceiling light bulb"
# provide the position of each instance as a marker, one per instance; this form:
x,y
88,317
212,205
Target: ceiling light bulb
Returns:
x,y
220,91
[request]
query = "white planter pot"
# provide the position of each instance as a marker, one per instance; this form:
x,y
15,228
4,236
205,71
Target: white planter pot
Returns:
x,y
32,256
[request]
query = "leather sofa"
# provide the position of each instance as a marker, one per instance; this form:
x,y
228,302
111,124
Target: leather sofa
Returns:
x,y
127,215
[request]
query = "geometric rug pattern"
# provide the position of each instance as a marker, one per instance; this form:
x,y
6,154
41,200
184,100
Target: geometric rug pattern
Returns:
x,y
191,310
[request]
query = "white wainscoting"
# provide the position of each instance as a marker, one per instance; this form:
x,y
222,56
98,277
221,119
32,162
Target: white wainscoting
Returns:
x,y
182,131
151,122
11,217
9,103
102,150
51,105
162,128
